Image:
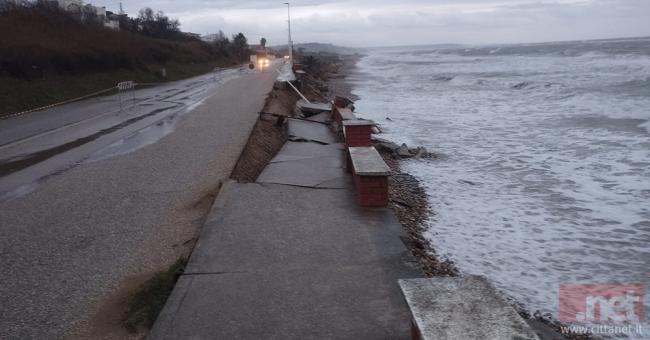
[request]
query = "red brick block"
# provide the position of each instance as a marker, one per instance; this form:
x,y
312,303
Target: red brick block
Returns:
x,y
342,101
336,115
358,135
373,190
415,332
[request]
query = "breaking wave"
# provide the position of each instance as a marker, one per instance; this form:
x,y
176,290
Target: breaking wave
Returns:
x,y
557,135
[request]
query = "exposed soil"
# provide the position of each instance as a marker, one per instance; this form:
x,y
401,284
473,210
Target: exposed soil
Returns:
x,y
149,300
109,321
268,136
281,100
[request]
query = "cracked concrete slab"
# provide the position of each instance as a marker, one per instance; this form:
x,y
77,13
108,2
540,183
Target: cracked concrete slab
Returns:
x,y
284,262
308,165
305,106
310,131
322,117
297,228
300,150
313,173
357,302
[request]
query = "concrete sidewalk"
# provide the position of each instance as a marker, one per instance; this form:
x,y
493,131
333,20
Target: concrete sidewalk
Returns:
x,y
293,257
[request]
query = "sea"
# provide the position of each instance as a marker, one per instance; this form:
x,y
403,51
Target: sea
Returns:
x,y
542,169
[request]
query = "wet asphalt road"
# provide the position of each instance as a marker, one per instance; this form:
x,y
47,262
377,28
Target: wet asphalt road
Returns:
x,y
91,196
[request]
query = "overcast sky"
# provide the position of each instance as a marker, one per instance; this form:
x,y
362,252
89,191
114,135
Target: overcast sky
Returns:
x,y
411,22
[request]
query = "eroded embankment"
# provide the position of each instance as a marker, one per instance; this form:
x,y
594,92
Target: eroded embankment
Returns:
x,y
267,137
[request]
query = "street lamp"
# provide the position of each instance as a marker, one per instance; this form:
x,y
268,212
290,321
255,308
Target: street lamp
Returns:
x,y
290,43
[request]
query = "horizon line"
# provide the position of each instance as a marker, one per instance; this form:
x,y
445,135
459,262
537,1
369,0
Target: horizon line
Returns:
x,y
470,44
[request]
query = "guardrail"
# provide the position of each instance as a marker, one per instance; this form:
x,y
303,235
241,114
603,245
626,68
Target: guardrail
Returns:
x,y
11,115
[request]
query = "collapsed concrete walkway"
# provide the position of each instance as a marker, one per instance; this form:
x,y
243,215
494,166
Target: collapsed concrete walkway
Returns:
x,y
294,257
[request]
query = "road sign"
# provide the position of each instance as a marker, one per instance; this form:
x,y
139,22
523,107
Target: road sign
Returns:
x,y
125,85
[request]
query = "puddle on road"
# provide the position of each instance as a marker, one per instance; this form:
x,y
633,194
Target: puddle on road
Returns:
x,y
19,191
18,163
151,135
139,139
143,137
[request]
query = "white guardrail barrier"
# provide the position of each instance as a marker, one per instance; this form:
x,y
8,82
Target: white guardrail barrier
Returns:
x,y
124,86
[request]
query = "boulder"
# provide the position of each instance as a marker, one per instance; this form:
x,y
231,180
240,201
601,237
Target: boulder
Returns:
x,y
403,151
389,147
399,151
374,138
421,152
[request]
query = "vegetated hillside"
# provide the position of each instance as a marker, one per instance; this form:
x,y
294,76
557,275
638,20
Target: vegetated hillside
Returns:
x,y
33,41
49,55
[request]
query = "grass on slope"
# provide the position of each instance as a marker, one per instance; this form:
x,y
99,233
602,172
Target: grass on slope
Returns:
x,y
147,302
48,56
19,94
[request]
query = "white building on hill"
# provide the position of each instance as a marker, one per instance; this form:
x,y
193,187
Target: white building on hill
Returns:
x,y
88,10
71,5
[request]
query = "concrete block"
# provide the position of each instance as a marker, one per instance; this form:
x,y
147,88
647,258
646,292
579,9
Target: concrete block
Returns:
x,y
462,308
367,161
310,131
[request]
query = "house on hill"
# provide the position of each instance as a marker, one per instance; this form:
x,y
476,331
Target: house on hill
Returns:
x,y
90,12
74,6
86,12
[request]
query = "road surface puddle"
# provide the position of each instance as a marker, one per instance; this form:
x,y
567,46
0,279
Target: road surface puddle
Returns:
x,y
14,164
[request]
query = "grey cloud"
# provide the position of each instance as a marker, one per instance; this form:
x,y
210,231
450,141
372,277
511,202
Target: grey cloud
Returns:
x,y
383,22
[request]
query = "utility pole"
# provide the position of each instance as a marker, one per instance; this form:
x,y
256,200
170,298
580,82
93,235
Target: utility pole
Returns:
x,y
121,10
290,43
